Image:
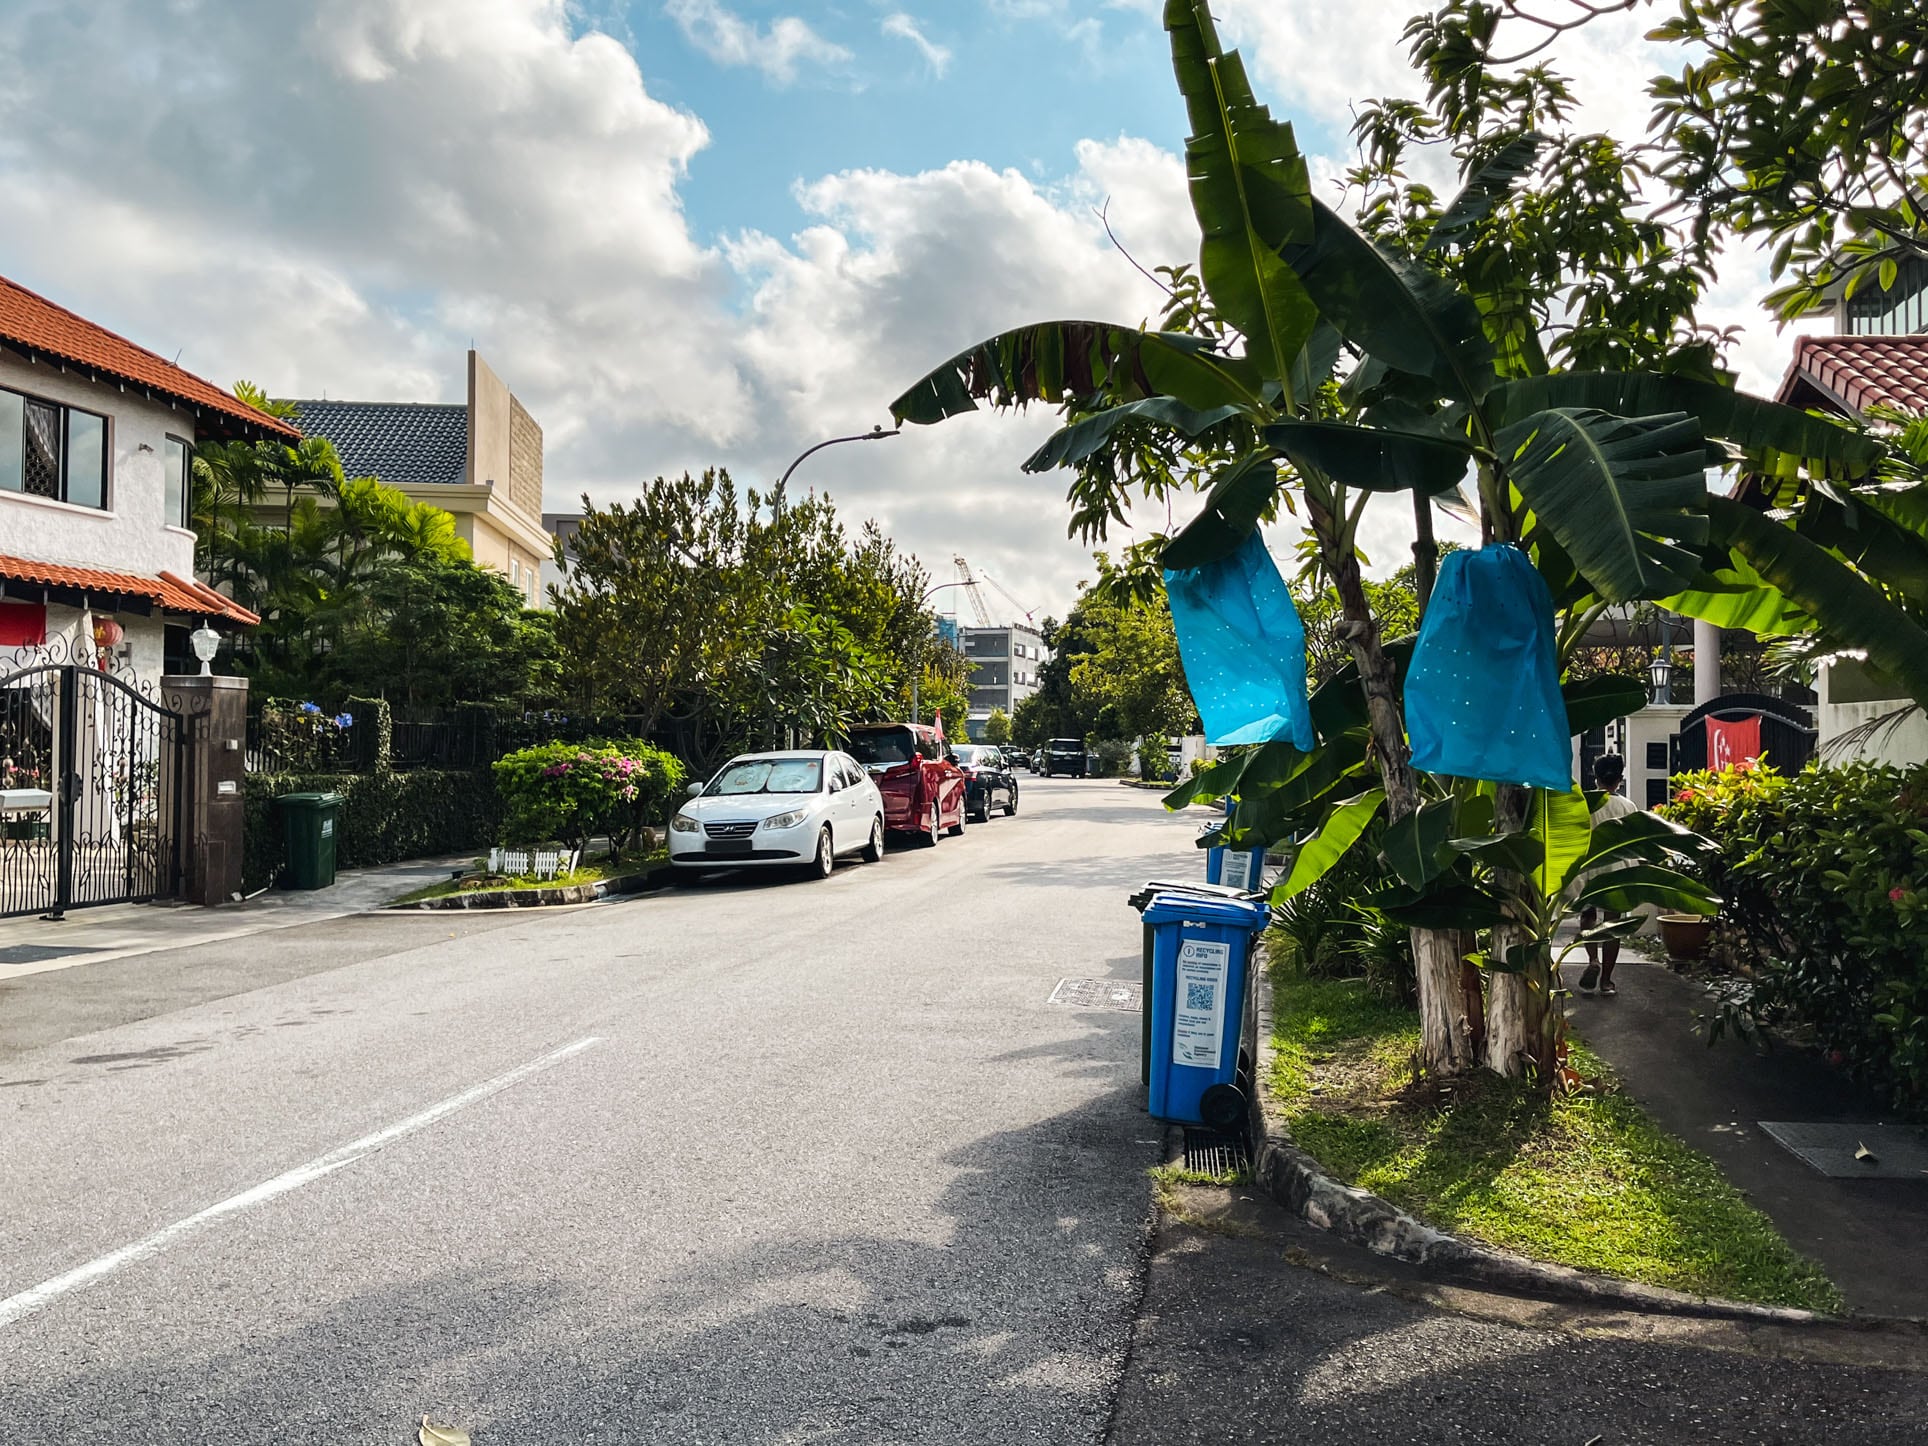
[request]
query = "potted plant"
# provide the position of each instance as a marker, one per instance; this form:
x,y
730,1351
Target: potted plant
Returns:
x,y
1686,935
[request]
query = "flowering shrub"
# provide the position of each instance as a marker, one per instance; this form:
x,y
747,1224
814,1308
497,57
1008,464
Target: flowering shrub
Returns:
x,y
301,736
1825,878
570,791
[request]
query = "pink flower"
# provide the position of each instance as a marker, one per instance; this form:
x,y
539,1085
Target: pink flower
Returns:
x,y
1896,895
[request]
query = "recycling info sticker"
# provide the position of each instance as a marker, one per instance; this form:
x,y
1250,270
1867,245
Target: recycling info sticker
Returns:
x,y
1198,1018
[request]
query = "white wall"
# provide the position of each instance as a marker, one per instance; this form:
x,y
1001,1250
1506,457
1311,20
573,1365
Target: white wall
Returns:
x,y
132,534
1851,696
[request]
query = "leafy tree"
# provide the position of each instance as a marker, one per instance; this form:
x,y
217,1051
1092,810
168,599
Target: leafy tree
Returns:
x,y
1805,126
739,620
997,727
437,632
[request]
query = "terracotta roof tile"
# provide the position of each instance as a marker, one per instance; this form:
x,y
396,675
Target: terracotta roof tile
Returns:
x,y
169,591
1858,372
36,324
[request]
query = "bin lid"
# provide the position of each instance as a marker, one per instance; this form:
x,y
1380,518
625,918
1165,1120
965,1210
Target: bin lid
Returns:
x,y
1171,906
310,800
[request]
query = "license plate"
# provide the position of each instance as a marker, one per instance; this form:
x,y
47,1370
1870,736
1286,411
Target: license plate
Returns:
x,y
727,846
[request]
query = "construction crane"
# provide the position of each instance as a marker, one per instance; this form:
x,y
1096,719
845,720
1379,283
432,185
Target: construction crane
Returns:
x,y
972,591
973,584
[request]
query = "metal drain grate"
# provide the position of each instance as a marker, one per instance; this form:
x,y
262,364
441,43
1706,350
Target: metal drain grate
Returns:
x,y
1854,1151
1210,1153
1125,995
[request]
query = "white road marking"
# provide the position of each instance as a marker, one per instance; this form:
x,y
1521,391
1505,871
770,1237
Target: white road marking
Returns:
x,y
27,1301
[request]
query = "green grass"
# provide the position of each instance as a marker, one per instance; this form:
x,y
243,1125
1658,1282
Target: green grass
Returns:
x,y
585,874
1585,1179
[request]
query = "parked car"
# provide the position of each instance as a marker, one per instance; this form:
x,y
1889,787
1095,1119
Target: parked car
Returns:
x,y
989,781
923,787
1066,756
807,807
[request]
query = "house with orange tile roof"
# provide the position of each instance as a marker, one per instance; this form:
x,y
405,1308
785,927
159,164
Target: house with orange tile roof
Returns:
x,y
96,438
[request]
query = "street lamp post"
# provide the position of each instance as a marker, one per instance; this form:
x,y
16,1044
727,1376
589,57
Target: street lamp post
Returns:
x,y
875,434
917,673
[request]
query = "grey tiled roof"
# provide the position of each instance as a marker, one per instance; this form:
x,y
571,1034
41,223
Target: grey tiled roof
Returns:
x,y
402,443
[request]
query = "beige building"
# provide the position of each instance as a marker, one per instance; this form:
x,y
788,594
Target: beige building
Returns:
x,y
480,460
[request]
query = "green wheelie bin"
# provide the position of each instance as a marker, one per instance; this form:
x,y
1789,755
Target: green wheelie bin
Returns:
x,y
308,825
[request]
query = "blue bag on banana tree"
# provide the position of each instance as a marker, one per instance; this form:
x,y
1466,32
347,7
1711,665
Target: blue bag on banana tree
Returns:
x,y
1483,689
1243,647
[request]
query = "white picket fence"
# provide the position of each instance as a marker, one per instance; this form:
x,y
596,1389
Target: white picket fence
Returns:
x,y
539,863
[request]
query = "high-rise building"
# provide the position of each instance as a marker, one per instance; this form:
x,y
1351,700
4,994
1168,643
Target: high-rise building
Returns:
x,y
1005,662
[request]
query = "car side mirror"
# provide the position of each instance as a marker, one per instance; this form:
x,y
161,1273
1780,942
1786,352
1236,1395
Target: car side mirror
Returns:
x,y
693,790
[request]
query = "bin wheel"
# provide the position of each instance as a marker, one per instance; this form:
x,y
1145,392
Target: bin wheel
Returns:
x,y
1223,1107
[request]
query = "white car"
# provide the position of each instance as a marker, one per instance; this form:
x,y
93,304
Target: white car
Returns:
x,y
780,808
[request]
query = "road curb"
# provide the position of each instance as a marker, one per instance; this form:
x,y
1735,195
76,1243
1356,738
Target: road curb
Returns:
x,y
546,898
1298,1182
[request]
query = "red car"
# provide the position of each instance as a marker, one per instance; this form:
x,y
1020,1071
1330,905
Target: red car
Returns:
x,y
913,769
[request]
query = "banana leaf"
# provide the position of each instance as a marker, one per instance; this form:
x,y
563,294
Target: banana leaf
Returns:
x,y
1618,494
1377,459
1343,825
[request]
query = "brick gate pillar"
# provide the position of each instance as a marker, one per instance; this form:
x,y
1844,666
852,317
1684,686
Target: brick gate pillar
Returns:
x,y
212,768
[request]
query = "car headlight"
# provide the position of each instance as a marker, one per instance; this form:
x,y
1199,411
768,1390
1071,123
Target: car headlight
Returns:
x,y
784,820
683,823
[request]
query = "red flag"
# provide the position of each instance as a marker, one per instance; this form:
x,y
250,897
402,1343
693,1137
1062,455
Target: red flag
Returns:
x,y
937,718
1731,744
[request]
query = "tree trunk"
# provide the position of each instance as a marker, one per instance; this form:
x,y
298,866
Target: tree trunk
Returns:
x,y
1445,1045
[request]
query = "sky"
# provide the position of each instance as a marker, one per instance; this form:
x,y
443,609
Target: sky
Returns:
x,y
686,233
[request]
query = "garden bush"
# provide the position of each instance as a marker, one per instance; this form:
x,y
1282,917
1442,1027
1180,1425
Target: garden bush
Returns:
x,y
570,791
1824,878
385,817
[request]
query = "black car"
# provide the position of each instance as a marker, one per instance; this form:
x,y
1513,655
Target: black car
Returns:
x,y
1065,755
989,781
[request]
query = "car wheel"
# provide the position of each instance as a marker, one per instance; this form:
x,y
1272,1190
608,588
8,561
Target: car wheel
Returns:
x,y
874,850
963,817
825,863
1011,808
982,814
933,828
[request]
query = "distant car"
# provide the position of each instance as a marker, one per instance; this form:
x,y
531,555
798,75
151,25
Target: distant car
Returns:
x,y
807,807
1066,756
912,767
988,780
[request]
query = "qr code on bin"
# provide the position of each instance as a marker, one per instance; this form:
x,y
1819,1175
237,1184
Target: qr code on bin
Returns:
x,y
1199,996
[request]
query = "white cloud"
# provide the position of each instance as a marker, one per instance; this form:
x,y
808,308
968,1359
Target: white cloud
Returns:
x,y
900,25
775,49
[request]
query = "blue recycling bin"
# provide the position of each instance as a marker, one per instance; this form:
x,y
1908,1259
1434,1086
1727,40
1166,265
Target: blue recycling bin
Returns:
x,y
1235,868
1201,949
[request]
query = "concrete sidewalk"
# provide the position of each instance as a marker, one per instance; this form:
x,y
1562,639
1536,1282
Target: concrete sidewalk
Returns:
x,y
119,931
1867,1234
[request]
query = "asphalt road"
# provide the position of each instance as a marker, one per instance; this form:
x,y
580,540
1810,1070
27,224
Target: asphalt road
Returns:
x,y
761,1161
766,1161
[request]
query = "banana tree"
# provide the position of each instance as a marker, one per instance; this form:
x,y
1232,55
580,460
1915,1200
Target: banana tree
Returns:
x,y
1600,476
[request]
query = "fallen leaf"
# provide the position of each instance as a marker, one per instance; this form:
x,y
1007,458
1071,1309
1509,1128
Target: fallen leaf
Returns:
x,y
1862,1152
431,1435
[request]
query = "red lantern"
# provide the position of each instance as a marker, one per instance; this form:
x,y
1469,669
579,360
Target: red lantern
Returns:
x,y
107,632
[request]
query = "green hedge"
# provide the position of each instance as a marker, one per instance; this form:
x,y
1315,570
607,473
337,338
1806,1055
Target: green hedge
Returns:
x,y
1824,877
385,817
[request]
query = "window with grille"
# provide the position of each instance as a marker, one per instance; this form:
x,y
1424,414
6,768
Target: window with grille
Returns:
x,y
52,451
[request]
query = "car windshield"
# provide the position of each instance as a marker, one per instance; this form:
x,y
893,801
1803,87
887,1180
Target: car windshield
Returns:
x,y
971,757
883,745
769,775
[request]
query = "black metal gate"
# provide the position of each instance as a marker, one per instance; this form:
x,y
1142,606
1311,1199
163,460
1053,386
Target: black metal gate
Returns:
x,y
91,802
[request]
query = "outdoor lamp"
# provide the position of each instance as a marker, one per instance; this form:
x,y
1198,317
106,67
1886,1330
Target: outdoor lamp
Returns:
x,y
206,643
1661,671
